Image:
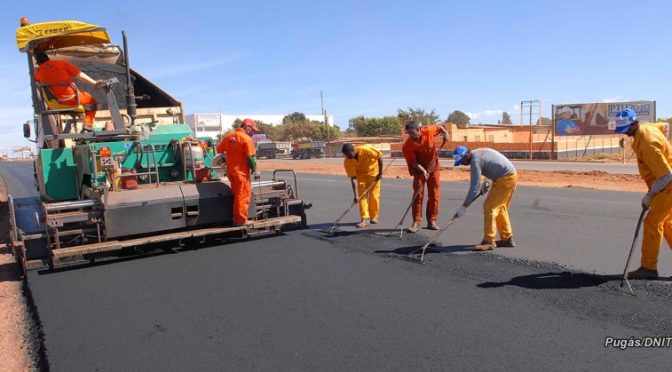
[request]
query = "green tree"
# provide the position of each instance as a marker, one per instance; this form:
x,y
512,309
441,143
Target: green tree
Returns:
x,y
295,118
544,121
370,127
264,128
458,117
668,120
417,114
506,118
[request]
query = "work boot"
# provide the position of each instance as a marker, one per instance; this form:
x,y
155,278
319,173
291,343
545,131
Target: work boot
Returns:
x,y
415,227
643,273
506,243
485,246
374,220
432,225
363,223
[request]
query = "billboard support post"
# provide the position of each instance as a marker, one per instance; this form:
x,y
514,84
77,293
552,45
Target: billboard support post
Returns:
x,y
553,154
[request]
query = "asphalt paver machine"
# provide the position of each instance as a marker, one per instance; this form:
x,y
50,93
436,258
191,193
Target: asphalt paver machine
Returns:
x,y
139,180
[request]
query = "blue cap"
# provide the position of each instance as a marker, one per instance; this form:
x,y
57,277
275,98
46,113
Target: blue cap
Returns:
x,y
624,119
459,154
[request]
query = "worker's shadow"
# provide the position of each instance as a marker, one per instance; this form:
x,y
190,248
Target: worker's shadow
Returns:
x,y
557,280
432,249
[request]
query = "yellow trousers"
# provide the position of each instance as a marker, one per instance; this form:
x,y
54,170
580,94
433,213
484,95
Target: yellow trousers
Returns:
x,y
657,224
369,205
496,208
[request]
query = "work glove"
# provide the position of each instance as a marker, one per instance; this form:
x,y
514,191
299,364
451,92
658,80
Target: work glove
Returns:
x,y
461,212
485,187
257,175
646,201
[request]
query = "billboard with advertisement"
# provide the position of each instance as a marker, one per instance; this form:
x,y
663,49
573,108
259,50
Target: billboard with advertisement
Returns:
x,y
587,119
208,122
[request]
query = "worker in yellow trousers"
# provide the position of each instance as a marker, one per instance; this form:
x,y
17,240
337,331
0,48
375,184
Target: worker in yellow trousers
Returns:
x,y
364,165
654,160
496,167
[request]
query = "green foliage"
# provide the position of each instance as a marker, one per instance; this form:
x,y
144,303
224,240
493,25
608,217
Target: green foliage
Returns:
x,y
369,127
458,117
506,118
417,114
294,118
296,125
544,121
668,120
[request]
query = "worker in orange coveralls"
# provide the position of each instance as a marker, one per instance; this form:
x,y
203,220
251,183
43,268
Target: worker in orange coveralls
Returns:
x,y
63,72
422,158
241,159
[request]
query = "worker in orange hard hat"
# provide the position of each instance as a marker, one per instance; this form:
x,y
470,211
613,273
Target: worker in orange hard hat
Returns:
x,y
58,75
241,159
422,158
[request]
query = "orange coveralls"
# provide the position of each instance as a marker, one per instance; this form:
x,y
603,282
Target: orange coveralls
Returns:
x,y
425,153
237,147
654,160
63,72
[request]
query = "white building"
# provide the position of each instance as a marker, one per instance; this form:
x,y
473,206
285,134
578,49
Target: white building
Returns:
x,y
213,124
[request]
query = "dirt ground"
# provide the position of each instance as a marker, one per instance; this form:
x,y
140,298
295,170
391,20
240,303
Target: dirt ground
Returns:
x,y
589,180
14,355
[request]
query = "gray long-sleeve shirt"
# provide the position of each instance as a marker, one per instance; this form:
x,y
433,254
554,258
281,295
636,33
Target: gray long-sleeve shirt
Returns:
x,y
490,164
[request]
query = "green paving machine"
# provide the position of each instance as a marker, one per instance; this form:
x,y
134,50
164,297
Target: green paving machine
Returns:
x,y
140,180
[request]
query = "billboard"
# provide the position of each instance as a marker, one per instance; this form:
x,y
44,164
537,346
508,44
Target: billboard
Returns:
x,y
208,122
587,119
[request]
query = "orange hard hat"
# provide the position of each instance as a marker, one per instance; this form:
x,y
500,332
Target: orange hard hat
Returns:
x,y
24,21
250,123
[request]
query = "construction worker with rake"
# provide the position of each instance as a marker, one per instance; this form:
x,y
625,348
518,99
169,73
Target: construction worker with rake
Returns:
x,y
422,159
241,159
654,161
364,165
497,168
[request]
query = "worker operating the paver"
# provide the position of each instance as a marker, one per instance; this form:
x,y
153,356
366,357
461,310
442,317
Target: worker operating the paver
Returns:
x,y
422,159
364,165
495,167
654,160
241,157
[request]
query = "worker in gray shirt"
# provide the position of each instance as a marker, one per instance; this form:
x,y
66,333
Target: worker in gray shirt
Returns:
x,y
497,168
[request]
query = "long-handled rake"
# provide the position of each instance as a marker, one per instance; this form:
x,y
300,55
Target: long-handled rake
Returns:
x,y
632,248
421,260
334,227
401,221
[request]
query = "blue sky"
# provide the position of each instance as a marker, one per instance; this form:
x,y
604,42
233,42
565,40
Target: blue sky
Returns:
x,y
371,57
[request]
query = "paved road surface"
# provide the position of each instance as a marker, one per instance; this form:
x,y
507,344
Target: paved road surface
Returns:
x,y
309,301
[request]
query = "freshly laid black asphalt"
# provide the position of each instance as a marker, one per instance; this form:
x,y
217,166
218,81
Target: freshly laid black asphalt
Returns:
x,y
310,301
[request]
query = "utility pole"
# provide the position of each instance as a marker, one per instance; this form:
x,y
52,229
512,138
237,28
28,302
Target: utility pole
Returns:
x,y
324,114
